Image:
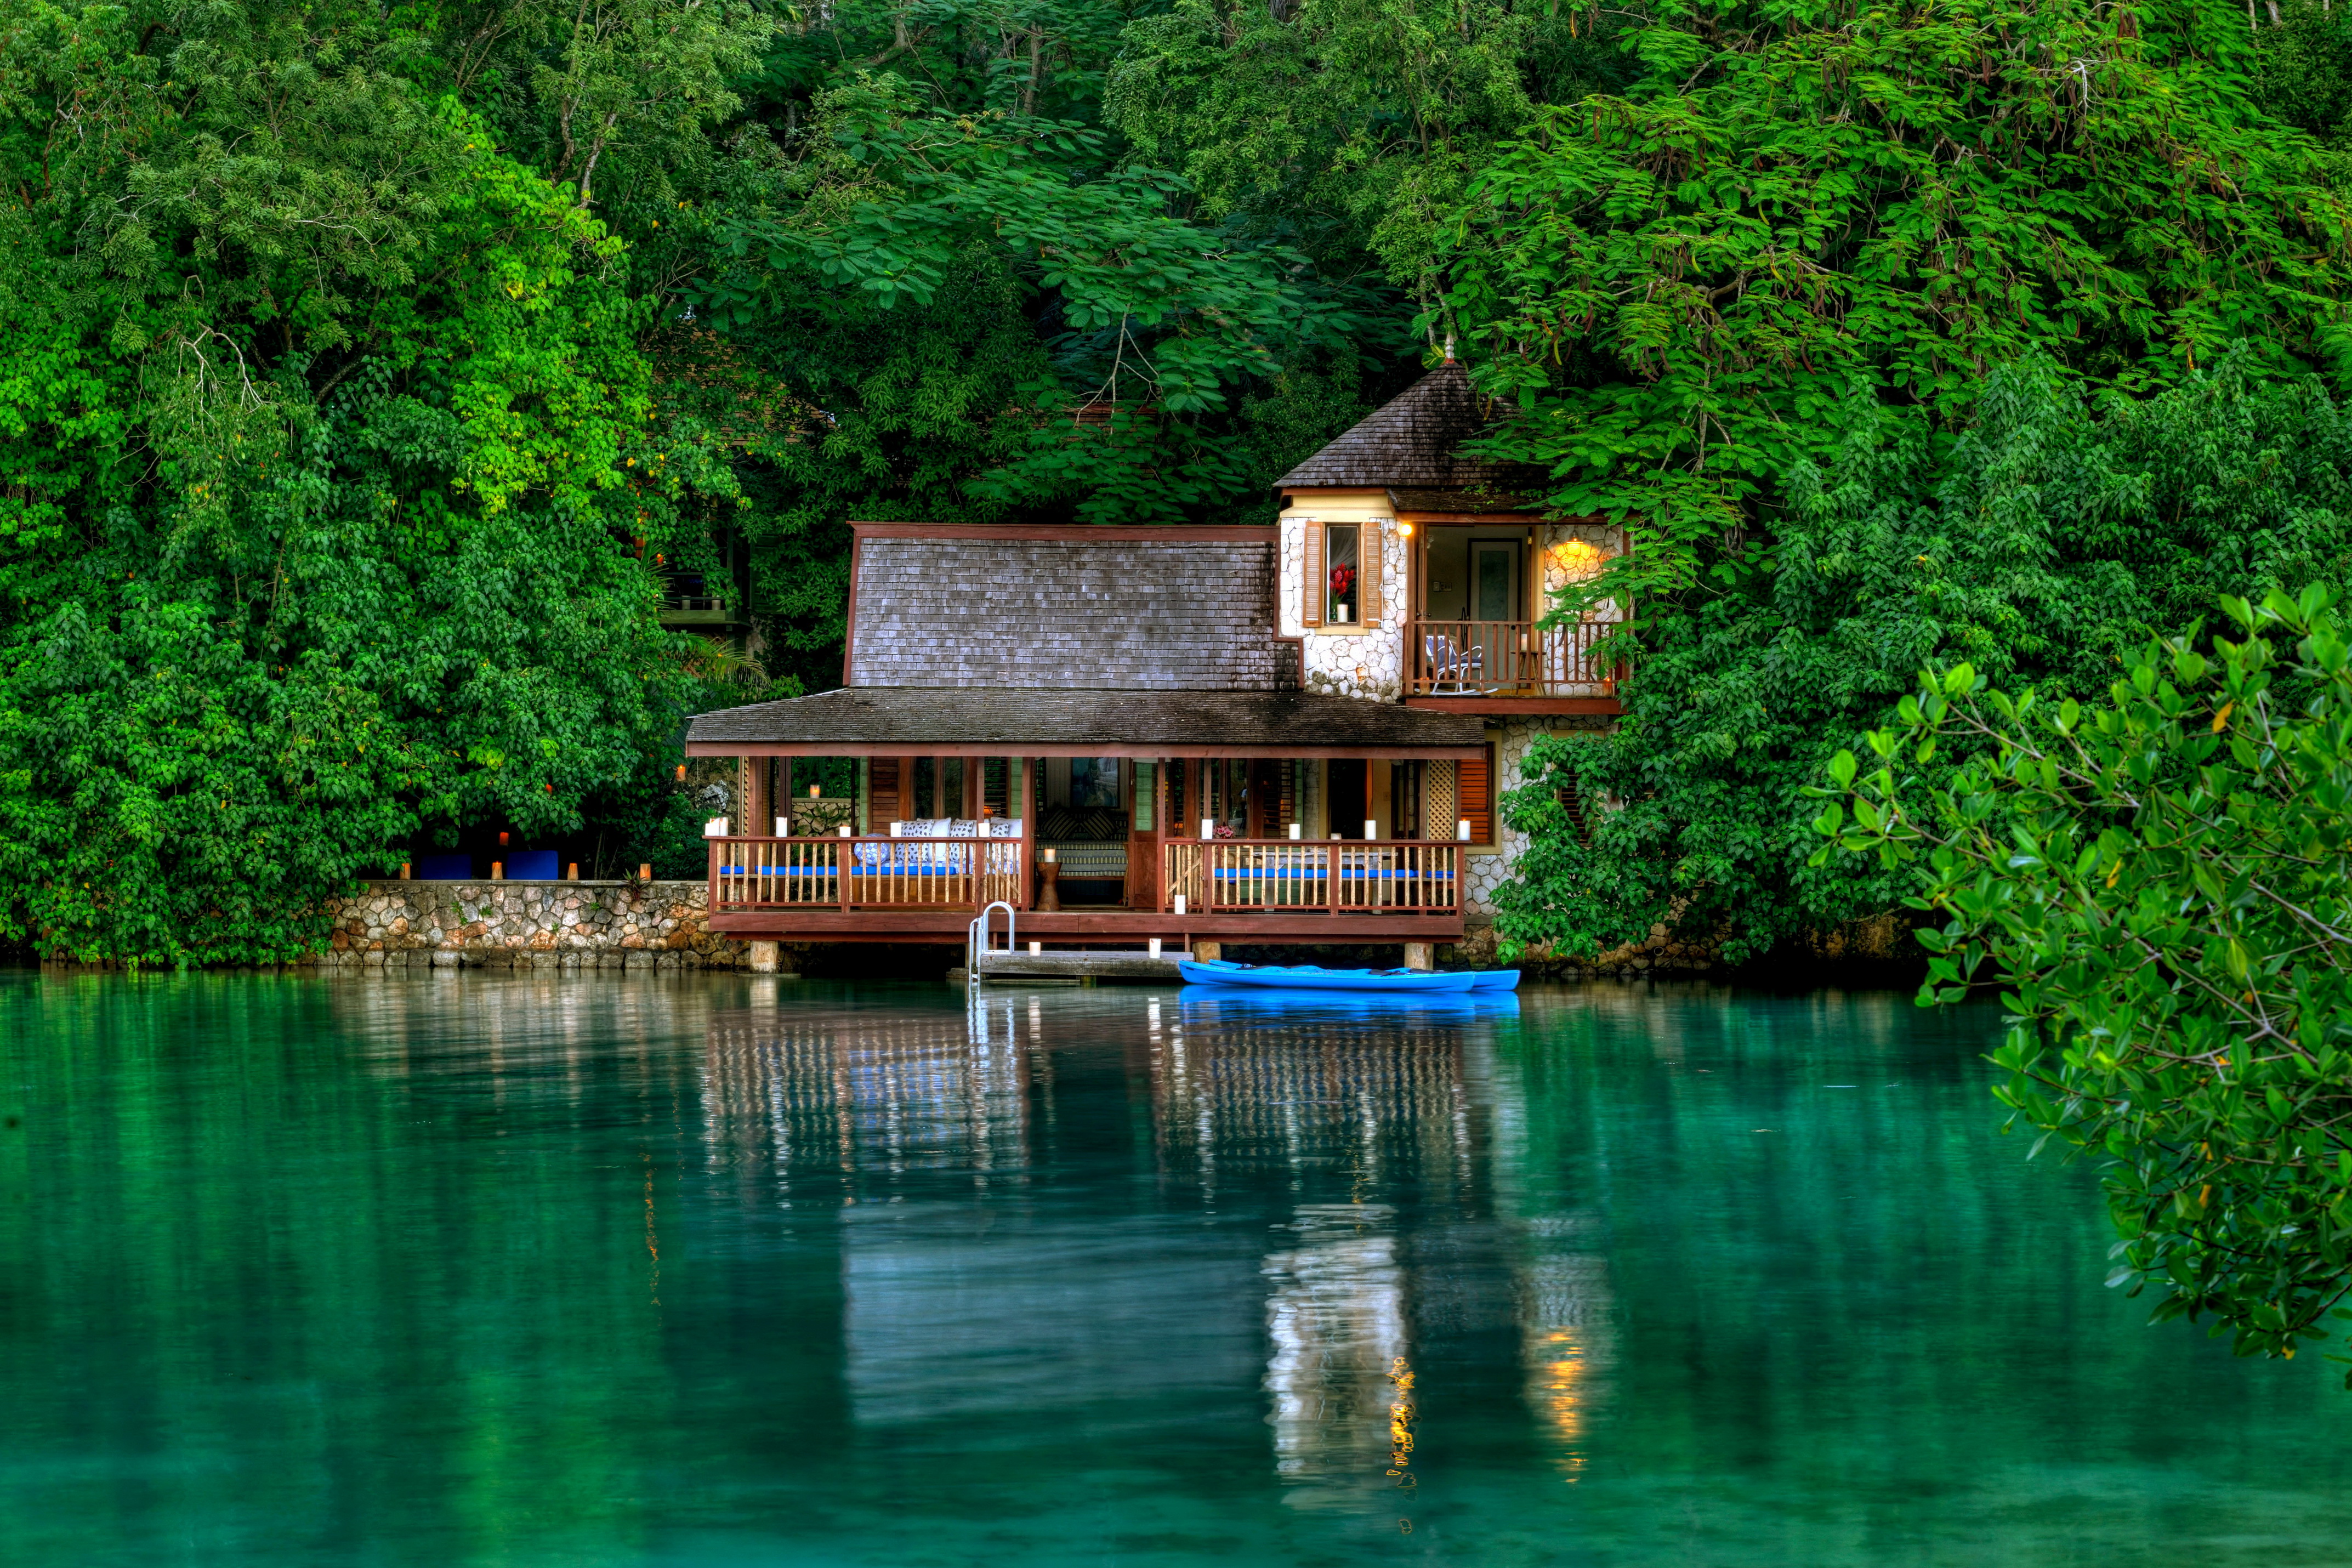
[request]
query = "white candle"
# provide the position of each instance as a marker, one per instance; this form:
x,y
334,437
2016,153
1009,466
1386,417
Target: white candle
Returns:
x,y
1371,828
1179,903
1049,855
1461,829
783,827
1297,831
842,830
895,829
1036,947
715,828
1208,828
1155,947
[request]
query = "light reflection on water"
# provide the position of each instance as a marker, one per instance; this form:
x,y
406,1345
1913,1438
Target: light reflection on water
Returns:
x,y
468,1269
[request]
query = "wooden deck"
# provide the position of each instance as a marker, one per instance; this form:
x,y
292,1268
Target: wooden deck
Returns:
x,y
927,891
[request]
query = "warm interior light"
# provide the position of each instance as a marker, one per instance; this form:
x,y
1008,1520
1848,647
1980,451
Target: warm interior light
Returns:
x,y
1575,560
1405,530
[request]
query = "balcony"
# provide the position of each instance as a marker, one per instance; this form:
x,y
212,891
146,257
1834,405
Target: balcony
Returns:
x,y
1505,666
696,610
904,889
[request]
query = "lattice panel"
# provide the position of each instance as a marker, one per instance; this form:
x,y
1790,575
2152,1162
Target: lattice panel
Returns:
x,y
1437,799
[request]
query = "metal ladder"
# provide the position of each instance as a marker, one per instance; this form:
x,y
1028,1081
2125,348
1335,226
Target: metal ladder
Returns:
x,y
975,939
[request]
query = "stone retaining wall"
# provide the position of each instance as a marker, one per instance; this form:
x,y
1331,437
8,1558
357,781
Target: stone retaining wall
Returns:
x,y
536,925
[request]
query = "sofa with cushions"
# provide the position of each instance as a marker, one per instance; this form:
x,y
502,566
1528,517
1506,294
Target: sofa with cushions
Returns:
x,y
1090,844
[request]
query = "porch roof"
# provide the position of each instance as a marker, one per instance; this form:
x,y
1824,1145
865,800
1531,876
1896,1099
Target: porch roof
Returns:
x,y
895,720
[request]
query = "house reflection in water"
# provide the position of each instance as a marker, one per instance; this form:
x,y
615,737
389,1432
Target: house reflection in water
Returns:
x,y
1336,1314
1120,1207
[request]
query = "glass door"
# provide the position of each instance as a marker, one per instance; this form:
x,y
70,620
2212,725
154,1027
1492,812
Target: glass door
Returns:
x,y
1495,629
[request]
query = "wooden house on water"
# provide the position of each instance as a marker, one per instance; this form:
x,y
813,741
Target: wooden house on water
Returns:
x,y
1292,734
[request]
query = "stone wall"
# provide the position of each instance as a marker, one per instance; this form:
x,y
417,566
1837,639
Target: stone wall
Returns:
x,y
1663,952
537,925
1369,664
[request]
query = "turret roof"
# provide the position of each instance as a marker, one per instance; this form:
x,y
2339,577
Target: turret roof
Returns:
x,y
1410,441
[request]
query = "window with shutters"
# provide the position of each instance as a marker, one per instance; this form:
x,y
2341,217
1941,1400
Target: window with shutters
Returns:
x,y
1342,575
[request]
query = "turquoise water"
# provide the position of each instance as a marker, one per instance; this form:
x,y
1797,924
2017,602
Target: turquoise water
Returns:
x,y
601,1271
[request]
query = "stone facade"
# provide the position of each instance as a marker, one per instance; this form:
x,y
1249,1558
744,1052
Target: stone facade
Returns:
x,y
1370,663
1513,740
539,925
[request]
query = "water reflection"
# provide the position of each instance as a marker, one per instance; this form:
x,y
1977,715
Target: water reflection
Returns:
x,y
1336,1317
1323,1116
666,1273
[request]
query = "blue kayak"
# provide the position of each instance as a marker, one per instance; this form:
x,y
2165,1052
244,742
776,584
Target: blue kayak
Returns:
x,y
1307,977
1290,1005
1494,980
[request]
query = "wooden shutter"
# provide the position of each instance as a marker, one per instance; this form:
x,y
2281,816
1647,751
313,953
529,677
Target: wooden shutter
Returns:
x,y
1474,795
1372,565
1310,598
884,804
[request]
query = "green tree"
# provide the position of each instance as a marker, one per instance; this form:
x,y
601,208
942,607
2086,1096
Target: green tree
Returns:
x,y
2042,546
325,446
1354,126
1688,287
2159,882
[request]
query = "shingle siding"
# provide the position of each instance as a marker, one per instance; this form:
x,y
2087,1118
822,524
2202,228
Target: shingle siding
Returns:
x,y
1183,615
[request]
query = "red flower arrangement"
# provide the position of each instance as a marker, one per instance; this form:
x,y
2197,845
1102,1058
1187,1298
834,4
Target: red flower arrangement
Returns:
x,y
1343,579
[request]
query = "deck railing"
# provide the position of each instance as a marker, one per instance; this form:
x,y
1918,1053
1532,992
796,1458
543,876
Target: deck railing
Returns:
x,y
864,873
1339,875
1507,658
1226,875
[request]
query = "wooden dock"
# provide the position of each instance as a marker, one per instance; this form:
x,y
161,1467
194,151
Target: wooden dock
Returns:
x,y
1075,965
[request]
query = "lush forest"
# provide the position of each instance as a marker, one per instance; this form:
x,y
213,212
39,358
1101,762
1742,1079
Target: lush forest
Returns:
x,y
371,373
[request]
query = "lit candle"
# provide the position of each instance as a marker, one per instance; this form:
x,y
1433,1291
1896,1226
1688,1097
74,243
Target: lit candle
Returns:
x,y
1297,831
1208,828
1461,829
1179,903
1371,828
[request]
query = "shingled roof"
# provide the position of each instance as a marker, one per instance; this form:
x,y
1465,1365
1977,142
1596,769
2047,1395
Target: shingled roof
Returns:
x,y
1410,441
1143,609
880,719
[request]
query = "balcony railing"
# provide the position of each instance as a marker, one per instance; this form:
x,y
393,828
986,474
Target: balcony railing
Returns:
x,y
1222,876
863,873
1508,658
1337,875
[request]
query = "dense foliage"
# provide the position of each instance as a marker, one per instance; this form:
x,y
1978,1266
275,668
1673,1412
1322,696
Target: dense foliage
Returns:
x,y
1797,209
2041,546
324,441
2160,880
1999,331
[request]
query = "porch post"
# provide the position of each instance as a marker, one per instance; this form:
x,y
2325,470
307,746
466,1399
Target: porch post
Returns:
x,y
1159,838
1028,789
